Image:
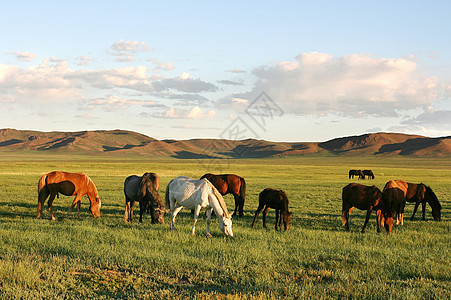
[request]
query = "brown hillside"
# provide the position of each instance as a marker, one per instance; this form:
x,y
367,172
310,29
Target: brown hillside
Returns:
x,y
121,142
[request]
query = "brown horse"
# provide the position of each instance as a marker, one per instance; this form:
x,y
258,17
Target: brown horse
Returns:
x,y
230,184
143,189
420,194
393,197
68,184
353,173
363,197
277,199
368,173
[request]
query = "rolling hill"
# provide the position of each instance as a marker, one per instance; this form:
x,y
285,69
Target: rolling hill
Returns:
x,y
121,142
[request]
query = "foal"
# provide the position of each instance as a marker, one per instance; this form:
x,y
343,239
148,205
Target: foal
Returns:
x,y
277,199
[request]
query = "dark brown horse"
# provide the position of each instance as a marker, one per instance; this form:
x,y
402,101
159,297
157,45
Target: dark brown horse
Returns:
x,y
353,173
368,173
277,199
420,194
68,184
143,189
393,197
230,184
363,197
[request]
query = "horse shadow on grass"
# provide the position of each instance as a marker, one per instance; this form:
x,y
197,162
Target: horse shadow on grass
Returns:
x,y
13,210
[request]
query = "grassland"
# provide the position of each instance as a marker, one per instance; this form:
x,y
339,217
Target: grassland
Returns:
x,y
316,258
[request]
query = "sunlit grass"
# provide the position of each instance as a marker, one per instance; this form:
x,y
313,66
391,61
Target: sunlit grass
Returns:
x,y
316,258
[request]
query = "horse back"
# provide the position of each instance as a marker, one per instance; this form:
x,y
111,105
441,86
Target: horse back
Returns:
x,y
360,196
67,183
219,182
276,199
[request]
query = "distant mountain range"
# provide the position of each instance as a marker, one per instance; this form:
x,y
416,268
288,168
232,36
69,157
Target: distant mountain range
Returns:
x,y
121,142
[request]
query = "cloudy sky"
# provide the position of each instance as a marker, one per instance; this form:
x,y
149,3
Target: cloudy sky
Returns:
x,y
275,70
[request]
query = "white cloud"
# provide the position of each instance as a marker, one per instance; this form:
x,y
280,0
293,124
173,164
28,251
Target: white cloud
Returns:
x,y
354,85
24,56
184,83
126,50
194,113
161,66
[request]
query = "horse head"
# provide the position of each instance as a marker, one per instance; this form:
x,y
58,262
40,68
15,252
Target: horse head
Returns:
x,y
432,199
95,206
226,225
94,199
286,217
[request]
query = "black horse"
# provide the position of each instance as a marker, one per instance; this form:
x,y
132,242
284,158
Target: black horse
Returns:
x,y
353,173
230,184
368,173
277,199
143,189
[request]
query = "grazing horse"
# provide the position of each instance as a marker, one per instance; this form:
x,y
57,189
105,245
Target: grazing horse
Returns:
x,y
196,194
230,184
143,189
353,173
420,193
68,184
393,197
277,199
368,173
363,197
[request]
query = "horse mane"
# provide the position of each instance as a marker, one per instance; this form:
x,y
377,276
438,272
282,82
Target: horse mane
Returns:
x,y
91,186
433,197
220,200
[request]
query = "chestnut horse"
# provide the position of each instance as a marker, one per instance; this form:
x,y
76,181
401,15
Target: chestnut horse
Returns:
x,y
420,194
277,199
393,197
143,189
230,184
363,197
68,184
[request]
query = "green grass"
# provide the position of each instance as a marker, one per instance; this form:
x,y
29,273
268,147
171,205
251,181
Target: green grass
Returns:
x,y
316,258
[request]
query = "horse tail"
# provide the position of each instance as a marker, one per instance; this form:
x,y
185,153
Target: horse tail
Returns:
x,y
42,187
166,196
243,189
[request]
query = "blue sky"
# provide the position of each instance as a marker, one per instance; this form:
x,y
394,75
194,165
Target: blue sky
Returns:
x,y
178,69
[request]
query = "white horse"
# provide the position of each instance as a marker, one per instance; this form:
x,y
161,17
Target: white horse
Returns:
x,y
196,194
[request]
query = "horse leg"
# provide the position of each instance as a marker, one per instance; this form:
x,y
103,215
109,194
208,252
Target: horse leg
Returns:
x,y
237,205
265,212
257,212
424,210
49,203
78,209
414,210
379,220
196,217
41,199
76,200
142,208
277,219
368,214
208,222
174,213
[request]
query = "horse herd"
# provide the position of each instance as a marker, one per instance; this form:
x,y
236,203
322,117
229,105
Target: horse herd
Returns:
x,y
207,192
181,192
388,203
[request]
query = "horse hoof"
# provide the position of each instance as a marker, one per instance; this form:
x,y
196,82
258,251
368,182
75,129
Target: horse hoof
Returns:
x,y
209,235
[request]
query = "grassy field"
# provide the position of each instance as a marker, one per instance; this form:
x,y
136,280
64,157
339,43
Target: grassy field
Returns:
x,y
316,258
